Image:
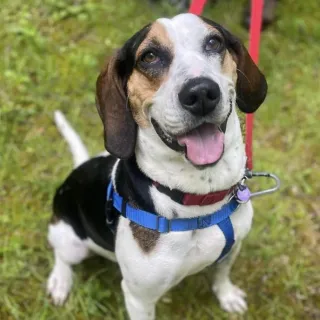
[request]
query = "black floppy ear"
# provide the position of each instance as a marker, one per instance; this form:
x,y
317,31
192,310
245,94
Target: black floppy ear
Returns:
x,y
120,129
251,84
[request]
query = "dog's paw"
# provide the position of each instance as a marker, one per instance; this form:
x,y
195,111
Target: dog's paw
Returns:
x,y
231,298
59,285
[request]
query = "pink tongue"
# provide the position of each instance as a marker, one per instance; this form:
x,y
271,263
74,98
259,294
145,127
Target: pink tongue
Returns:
x,y
204,144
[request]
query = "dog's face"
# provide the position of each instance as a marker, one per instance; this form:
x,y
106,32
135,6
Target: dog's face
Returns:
x,y
179,78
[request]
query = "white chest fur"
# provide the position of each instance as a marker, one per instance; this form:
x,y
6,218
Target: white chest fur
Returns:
x,y
176,254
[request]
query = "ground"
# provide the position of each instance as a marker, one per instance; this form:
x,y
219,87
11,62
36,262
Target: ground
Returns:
x,y
52,52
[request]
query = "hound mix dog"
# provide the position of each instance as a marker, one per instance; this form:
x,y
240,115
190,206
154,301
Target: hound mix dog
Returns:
x,y
167,100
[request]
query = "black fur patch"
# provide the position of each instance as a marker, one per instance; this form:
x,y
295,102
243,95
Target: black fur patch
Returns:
x,y
135,185
80,201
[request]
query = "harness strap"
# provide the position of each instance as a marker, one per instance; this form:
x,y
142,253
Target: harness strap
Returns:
x,y
161,224
228,232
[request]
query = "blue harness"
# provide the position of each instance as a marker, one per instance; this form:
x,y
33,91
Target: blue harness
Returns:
x,y
152,221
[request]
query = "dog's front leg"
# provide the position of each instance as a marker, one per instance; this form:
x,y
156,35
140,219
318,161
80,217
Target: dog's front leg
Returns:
x,y
231,298
139,306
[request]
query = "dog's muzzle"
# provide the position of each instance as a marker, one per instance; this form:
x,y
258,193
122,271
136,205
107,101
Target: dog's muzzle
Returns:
x,y
202,146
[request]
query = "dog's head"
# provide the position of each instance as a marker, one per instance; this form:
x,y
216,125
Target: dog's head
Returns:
x,y
180,78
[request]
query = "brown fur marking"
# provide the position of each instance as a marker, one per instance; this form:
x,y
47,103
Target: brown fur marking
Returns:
x,y
229,64
146,238
159,33
141,88
140,92
229,67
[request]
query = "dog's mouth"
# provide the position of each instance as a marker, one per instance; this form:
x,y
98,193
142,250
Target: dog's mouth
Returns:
x,y
202,146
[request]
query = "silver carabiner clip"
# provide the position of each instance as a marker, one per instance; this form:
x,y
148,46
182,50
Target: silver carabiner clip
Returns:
x,y
249,174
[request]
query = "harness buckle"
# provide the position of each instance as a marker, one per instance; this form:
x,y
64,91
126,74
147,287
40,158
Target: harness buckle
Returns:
x,y
109,214
109,206
161,223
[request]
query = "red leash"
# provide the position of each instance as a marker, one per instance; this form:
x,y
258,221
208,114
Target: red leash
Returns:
x,y
197,7
254,44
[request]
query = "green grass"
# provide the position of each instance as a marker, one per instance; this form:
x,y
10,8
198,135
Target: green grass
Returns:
x,y
52,52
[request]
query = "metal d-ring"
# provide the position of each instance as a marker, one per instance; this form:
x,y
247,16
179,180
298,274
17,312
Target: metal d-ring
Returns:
x,y
249,174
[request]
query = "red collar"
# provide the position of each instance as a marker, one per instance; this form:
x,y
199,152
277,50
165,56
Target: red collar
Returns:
x,y
191,199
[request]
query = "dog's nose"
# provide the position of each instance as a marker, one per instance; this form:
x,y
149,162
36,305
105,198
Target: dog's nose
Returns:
x,y
200,96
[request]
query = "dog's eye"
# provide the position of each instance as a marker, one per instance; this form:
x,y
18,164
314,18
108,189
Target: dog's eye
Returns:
x,y
214,44
150,57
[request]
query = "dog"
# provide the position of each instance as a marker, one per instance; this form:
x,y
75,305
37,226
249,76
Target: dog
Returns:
x,y
167,100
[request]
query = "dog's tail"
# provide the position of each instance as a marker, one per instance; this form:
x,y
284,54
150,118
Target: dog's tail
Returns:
x,y
79,152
